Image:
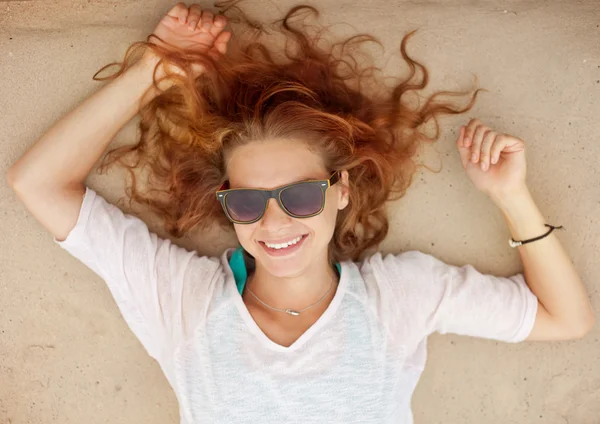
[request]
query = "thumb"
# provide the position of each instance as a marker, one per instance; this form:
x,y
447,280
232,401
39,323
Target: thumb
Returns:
x,y
464,152
221,42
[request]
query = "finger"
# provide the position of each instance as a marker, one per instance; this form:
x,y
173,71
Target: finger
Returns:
x,y
221,42
179,11
219,23
476,142
470,130
195,16
461,134
207,20
486,147
502,141
463,151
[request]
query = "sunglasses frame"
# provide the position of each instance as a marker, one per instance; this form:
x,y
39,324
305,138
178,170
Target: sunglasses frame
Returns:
x,y
276,194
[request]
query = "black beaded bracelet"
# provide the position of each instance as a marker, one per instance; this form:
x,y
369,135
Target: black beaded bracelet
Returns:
x,y
515,243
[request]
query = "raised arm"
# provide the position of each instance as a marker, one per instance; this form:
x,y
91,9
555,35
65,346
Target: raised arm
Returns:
x,y
49,177
496,164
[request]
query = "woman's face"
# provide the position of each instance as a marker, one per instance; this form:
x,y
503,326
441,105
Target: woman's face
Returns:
x,y
270,164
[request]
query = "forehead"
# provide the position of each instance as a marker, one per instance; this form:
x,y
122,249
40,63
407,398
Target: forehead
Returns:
x,y
272,163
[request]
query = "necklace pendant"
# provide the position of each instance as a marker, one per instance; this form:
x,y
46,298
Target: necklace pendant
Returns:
x,y
289,311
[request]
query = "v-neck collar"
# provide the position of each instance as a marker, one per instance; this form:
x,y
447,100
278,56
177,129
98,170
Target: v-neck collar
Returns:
x,y
237,274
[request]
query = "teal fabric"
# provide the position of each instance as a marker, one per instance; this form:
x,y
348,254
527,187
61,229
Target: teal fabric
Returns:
x,y
238,267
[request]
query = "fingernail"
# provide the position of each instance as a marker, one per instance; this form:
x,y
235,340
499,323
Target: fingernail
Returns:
x,y
483,166
474,157
494,159
192,25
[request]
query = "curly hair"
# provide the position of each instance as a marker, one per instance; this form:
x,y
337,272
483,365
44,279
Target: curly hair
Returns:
x,y
298,90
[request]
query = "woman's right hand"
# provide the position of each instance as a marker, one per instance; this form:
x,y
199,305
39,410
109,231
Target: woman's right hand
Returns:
x,y
190,30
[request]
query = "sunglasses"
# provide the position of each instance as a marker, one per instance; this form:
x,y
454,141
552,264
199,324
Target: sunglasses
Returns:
x,y
299,200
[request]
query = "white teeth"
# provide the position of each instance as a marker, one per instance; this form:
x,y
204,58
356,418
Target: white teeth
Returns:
x,y
284,245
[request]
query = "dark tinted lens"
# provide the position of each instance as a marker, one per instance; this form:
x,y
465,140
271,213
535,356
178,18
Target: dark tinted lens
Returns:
x,y
303,199
244,205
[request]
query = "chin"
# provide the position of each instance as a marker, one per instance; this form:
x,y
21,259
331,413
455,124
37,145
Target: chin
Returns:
x,y
284,267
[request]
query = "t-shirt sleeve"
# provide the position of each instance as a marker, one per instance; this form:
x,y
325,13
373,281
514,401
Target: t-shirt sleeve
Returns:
x,y
161,289
433,296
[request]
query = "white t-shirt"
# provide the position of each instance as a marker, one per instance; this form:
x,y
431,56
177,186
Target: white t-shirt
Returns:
x,y
359,363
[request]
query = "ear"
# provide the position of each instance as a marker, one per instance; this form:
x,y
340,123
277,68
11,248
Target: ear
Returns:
x,y
343,190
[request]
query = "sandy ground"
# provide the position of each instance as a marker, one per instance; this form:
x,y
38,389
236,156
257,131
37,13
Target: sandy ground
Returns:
x,y
67,356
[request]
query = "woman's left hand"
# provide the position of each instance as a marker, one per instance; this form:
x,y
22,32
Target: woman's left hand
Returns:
x,y
494,162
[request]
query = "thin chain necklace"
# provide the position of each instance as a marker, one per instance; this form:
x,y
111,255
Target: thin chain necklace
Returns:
x,y
291,311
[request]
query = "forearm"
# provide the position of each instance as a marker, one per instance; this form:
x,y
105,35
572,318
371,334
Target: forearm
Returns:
x,y
549,271
68,151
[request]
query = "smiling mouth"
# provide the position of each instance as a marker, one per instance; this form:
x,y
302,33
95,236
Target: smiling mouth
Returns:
x,y
283,248
287,243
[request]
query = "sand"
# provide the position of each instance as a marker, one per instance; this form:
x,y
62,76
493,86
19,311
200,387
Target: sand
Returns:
x,y
67,356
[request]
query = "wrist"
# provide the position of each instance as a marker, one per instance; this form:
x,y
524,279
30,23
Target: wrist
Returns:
x,y
521,213
509,200
140,74
148,61
147,65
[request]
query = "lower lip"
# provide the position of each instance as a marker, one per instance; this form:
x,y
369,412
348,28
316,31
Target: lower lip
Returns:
x,y
286,250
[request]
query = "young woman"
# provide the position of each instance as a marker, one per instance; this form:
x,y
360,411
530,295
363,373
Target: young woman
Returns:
x,y
299,152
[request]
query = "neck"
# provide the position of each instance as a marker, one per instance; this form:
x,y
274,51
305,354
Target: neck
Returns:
x,y
298,291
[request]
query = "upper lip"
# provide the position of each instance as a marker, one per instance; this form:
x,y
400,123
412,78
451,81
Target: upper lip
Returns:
x,y
282,240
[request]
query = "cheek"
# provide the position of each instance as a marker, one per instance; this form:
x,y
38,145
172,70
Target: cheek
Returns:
x,y
331,206
244,234
324,224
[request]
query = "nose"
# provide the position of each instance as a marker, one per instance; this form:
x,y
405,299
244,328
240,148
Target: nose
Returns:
x,y
275,217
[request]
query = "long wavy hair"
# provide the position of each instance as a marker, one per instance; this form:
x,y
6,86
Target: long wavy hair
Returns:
x,y
304,87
